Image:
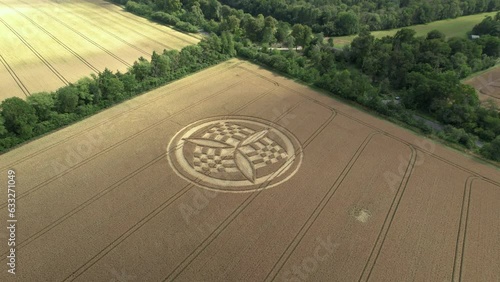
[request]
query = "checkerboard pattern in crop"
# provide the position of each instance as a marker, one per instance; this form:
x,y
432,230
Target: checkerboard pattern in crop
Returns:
x,y
261,153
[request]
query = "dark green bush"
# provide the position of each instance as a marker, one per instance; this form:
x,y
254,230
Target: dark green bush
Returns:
x,y
165,18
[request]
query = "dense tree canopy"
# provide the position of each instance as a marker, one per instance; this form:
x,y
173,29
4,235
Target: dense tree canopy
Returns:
x,y
489,25
343,17
43,103
492,150
19,117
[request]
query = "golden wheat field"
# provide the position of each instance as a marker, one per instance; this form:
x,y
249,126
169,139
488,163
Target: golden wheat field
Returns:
x,y
48,44
238,174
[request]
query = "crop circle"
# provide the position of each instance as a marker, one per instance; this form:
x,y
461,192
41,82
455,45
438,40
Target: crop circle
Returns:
x,y
235,154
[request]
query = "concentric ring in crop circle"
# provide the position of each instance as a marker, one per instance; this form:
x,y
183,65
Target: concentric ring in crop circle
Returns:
x,y
180,154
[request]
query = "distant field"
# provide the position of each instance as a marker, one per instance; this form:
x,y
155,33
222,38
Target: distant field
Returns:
x,y
48,44
451,27
487,84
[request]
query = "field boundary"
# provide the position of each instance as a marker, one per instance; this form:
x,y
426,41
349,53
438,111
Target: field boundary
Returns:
x,y
476,74
430,154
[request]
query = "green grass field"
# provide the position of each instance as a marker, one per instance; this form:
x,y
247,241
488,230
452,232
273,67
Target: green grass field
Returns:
x,y
451,28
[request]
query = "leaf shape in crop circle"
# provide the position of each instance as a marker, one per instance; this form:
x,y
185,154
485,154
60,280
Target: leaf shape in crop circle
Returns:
x,y
208,143
254,137
244,165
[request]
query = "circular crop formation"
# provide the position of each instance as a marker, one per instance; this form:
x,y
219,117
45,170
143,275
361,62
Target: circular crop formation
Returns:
x,y
235,154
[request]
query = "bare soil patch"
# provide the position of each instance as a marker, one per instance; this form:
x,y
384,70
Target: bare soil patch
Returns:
x,y
487,85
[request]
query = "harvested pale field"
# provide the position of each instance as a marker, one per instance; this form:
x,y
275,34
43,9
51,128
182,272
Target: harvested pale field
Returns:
x,y
48,44
487,84
238,174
